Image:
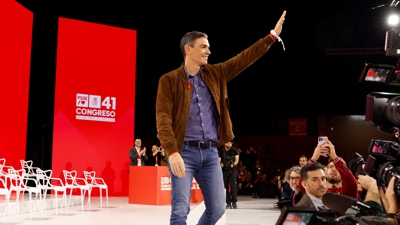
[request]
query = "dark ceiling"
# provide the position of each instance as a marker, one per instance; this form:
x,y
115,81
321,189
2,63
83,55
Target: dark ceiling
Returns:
x,y
302,81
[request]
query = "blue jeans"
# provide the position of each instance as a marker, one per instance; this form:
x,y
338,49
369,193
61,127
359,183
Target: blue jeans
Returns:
x,y
203,165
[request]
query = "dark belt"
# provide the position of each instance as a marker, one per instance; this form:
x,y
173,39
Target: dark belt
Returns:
x,y
201,144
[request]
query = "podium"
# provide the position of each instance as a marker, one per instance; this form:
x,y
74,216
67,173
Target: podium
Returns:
x,y
151,185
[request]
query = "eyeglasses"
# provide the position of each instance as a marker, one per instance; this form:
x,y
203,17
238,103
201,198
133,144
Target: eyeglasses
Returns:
x,y
294,178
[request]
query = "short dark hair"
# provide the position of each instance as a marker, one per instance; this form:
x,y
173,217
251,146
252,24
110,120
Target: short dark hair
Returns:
x,y
189,38
303,156
309,167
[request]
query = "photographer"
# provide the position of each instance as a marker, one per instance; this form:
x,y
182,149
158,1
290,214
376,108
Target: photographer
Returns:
x,y
157,154
229,158
372,197
391,202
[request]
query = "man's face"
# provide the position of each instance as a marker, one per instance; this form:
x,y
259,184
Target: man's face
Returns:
x,y
228,145
302,161
294,180
154,148
199,52
315,184
332,174
138,142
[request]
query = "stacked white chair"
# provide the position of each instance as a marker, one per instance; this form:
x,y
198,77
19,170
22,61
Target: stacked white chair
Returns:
x,y
19,184
4,191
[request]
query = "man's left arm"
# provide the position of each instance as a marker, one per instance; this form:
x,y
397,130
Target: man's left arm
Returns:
x,y
349,182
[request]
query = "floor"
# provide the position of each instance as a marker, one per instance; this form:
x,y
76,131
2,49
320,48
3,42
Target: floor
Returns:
x,y
250,211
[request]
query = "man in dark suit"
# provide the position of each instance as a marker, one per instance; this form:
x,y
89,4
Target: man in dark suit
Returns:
x,y
314,182
137,154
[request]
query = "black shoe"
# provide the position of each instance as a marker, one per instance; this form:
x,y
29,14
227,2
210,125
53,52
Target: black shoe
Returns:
x,y
228,206
234,205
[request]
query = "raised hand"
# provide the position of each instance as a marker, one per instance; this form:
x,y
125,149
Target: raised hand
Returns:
x,y
278,26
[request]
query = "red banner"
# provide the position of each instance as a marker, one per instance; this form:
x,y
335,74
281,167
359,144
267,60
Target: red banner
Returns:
x,y
298,127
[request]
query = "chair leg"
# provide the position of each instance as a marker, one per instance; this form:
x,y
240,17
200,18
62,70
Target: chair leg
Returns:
x,y
107,196
55,194
82,197
101,200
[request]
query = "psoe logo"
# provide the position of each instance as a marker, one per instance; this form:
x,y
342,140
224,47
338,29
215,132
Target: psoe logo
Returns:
x,y
94,108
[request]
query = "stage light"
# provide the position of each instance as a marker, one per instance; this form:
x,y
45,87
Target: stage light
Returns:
x,y
393,19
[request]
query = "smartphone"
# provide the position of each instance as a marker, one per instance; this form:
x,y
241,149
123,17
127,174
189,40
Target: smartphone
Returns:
x,y
323,140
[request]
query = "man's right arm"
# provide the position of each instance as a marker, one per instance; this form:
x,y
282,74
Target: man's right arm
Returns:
x,y
164,104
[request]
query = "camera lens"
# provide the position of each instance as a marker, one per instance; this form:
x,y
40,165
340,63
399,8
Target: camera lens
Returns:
x,y
392,110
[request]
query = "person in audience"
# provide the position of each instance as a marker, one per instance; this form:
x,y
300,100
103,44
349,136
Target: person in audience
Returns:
x,y
302,160
293,178
314,182
286,190
259,184
258,169
156,156
341,179
247,186
138,154
276,183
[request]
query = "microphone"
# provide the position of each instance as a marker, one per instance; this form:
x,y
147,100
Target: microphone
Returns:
x,y
345,205
337,202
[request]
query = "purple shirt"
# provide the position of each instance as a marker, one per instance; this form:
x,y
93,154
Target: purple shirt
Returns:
x,y
201,125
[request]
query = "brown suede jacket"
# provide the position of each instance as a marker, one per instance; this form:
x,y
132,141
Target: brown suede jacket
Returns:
x,y
174,95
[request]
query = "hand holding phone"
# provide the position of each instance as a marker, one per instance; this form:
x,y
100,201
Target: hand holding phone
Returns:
x,y
321,141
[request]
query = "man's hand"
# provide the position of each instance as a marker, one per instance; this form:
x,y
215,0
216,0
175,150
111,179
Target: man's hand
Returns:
x,y
319,151
177,165
367,182
392,197
331,149
278,26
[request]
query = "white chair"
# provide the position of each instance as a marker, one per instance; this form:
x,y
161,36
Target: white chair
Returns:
x,y
29,168
72,182
46,182
4,170
96,182
19,183
4,191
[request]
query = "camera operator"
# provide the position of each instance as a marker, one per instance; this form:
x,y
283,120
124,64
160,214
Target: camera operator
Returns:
x,y
372,197
229,158
391,202
338,175
157,154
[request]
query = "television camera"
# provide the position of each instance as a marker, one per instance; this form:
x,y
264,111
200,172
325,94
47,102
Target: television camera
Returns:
x,y
382,109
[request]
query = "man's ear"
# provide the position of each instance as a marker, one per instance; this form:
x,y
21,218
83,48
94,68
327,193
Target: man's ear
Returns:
x,y
187,49
304,184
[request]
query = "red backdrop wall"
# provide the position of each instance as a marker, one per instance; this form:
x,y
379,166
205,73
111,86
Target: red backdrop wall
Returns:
x,y
15,44
94,101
